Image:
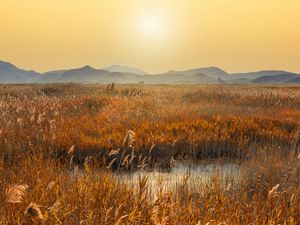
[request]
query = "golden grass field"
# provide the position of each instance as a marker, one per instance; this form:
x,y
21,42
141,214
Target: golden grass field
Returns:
x,y
62,144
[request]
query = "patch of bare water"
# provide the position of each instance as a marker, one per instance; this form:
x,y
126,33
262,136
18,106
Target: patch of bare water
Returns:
x,y
194,174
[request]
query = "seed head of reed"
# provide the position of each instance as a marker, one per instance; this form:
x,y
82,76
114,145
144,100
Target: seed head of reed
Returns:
x,y
229,186
71,150
50,186
273,192
55,207
34,210
15,193
114,152
129,139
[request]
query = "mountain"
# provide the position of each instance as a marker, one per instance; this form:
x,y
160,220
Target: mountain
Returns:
x,y
279,78
295,80
11,74
177,78
88,74
263,73
84,74
238,81
52,76
213,72
121,74
124,69
197,78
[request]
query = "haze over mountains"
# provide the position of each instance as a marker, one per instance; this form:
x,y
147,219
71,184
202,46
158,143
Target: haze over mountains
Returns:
x,y
122,74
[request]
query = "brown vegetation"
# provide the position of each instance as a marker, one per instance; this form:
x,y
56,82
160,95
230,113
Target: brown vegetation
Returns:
x,y
47,132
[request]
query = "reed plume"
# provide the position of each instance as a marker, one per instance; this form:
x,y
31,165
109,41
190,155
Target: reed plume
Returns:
x,y
15,193
55,207
273,192
71,150
129,139
114,152
50,186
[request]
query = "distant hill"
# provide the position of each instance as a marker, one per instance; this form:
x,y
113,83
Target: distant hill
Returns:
x,y
238,81
11,74
124,69
52,76
198,78
88,74
177,78
263,73
279,78
213,72
83,74
295,80
122,74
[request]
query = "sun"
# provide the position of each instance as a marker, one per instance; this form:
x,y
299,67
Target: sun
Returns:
x,y
151,26
153,30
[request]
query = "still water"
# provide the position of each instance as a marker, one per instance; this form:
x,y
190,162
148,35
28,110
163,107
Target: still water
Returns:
x,y
198,174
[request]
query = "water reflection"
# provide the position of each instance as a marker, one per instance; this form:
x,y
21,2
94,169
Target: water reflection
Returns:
x,y
199,174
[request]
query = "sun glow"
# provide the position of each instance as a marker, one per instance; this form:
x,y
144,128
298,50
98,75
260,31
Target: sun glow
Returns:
x,y
153,35
152,26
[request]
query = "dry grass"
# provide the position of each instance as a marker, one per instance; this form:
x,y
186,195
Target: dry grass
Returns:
x,y
54,139
267,193
185,121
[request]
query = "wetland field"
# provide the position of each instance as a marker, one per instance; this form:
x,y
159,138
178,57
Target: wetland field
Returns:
x,y
149,154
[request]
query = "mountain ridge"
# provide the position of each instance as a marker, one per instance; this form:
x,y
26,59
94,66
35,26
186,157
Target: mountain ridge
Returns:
x,y
124,69
10,73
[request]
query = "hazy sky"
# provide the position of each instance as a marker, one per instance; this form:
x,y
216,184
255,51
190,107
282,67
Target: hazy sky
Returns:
x,y
154,35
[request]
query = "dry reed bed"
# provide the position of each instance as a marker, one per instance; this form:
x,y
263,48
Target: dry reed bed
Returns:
x,y
39,191
180,121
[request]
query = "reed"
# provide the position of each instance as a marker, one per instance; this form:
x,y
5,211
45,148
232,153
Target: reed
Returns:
x,y
269,196
60,147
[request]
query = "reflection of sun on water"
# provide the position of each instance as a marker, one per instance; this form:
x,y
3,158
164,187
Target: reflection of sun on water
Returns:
x,y
200,175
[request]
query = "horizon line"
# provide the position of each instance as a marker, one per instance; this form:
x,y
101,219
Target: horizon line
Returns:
x,y
147,73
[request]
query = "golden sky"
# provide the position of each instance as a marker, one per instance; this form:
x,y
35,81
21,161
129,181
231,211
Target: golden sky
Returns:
x,y
154,35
